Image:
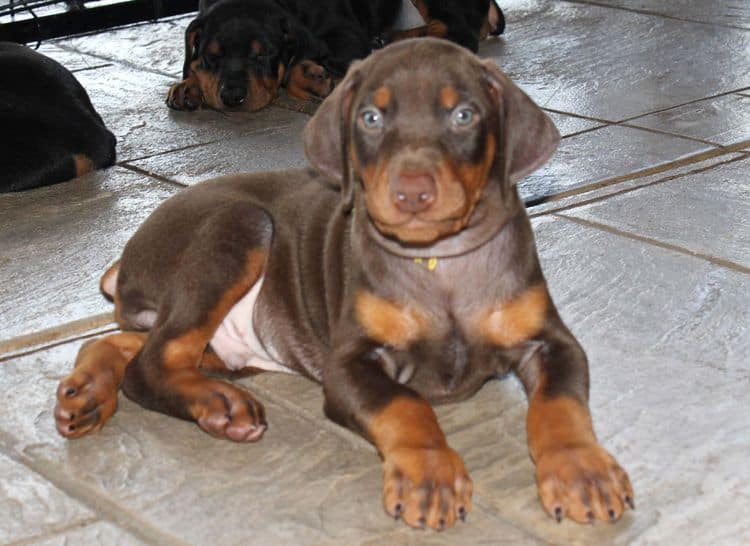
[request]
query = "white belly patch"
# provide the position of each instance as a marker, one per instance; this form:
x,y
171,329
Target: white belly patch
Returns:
x,y
236,342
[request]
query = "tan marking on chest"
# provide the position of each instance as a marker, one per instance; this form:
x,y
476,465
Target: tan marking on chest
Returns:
x,y
517,320
388,322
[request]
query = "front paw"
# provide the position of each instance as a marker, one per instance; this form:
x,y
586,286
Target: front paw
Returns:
x,y
583,483
309,81
185,96
426,487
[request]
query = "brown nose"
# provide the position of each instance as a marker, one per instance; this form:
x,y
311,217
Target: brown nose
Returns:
x,y
413,191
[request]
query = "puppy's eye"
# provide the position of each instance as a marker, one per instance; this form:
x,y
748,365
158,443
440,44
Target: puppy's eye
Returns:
x,y
372,118
463,116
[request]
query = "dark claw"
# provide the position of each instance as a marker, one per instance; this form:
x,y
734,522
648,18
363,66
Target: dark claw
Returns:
x,y
590,516
422,522
611,515
441,524
630,502
558,514
397,511
462,514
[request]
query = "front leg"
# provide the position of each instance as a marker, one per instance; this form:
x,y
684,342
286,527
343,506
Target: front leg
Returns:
x,y
425,481
575,475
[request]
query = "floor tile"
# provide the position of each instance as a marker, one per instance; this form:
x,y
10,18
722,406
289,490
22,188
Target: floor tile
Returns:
x,y
131,102
58,240
707,213
667,339
31,506
721,120
602,154
720,12
157,47
97,534
270,149
612,64
301,484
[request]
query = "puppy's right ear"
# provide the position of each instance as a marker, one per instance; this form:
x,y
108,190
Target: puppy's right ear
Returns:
x,y
192,44
326,136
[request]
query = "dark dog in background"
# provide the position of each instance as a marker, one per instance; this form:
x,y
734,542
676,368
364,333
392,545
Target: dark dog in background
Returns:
x,y
52,132
238,53
420,148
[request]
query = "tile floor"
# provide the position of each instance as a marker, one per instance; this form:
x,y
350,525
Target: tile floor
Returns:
x,y
644,238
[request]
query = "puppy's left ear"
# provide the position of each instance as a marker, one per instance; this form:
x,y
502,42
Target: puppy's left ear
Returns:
x,y
326,136
528,134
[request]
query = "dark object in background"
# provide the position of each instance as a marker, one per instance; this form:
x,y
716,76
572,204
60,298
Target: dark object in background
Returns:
x,y
239,53
52,131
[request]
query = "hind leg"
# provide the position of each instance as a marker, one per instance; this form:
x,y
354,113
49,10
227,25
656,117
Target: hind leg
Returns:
x,y
87,398
224,260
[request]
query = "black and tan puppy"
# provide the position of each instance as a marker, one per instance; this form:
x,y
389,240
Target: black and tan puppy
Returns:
x,y
52,132
281,271
238,53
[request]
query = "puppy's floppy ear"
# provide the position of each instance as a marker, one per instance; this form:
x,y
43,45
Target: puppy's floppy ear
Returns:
x,y
529,137
192,44
327,135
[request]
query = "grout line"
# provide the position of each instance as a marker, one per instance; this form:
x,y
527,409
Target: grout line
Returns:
x,y
630,125
655,242
680,105
635,188
57,333
579,116
654,13
696,158
100,504
96,67
47,346
155,176
250,132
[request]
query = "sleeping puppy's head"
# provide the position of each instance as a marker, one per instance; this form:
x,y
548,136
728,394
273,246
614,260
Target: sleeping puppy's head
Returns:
x,y
237,50
431,140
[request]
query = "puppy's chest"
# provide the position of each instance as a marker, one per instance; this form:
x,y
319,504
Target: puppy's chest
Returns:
x,y
446,336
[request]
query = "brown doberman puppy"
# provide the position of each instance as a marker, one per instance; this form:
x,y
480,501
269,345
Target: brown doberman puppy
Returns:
x,y
419,150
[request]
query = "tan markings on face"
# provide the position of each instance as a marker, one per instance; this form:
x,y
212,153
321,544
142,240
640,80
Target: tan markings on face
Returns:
x,y
83,164
474,176
459,187
449,97
382,97
405,422
185,350
515,321
208,82
388,322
